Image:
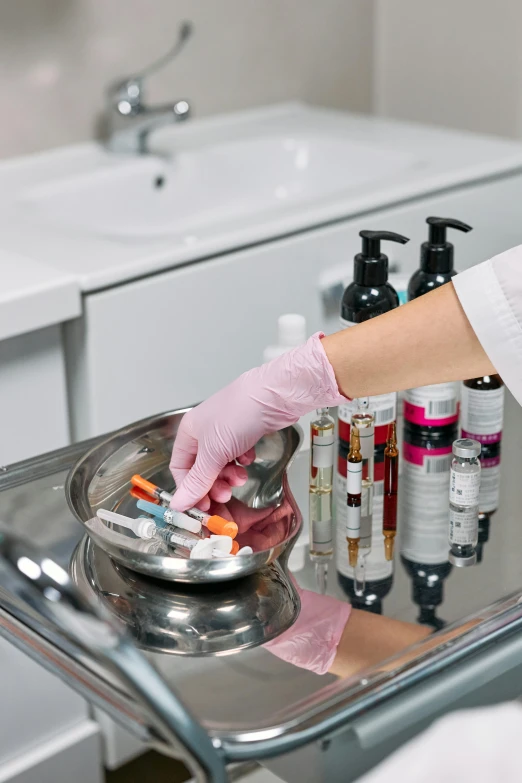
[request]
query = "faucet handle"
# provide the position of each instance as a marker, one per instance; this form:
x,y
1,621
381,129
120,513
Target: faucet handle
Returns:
x,y
127,93
184,33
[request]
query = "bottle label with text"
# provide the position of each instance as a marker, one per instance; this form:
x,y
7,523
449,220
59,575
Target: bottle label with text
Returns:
x,y
435,463
464,488
463,527
482,414
433,406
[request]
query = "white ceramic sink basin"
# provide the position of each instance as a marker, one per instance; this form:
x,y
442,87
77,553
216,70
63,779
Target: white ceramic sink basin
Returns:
x,y
219,184
149,197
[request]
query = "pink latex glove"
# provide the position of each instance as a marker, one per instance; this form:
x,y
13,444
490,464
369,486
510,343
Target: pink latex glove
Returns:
x,y
311,642
227,425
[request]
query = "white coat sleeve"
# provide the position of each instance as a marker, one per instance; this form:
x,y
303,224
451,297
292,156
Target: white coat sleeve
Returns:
x,y
491,295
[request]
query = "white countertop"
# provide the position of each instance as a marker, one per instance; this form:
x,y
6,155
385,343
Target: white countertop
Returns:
x,y
34,295
47,264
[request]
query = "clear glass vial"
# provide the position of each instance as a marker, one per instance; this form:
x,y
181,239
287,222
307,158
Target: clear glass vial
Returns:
x,y
322,432
464,502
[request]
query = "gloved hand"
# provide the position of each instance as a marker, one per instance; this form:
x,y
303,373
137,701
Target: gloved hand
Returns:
x,y
311,642
227,425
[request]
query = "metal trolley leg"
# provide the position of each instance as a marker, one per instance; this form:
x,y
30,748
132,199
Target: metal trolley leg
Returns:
x,y
40,582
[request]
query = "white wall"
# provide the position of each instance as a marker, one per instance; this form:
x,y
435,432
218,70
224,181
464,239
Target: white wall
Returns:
x,y
450,62
58,55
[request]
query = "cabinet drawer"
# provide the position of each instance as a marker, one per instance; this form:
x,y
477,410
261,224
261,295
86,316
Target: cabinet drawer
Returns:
x,y
172,339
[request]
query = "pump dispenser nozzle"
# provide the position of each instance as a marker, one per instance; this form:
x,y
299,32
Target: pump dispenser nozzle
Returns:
x,y
437,253
371,266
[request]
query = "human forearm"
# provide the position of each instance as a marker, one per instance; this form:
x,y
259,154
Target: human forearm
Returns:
x,y
429,340
426,341
370,639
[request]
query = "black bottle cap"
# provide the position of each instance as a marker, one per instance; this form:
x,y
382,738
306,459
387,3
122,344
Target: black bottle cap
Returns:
x,y
370,265
428,616
428,594
437,253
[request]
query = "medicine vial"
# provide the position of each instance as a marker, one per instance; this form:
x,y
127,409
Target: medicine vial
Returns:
x,y
322,438
464,502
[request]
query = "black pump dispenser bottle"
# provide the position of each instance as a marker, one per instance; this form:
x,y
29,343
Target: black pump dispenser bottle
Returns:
x,y
436,260
370,294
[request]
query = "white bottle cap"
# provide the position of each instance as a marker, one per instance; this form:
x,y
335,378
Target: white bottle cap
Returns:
x,y
291,330
222,544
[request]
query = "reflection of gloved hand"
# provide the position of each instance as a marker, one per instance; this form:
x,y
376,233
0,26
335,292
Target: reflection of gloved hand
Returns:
x,y
311,643
227,425
260,528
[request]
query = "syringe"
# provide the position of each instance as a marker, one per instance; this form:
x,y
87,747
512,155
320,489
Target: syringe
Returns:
x,y
212,522
202,548
199,549
141,527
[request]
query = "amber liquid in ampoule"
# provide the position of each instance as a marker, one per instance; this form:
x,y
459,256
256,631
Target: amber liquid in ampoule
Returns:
x,y
321,493
353,496
391,488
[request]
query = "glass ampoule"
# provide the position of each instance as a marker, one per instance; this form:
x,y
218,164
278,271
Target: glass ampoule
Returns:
x,y
391,489
322,437
354,496
464,502
364,420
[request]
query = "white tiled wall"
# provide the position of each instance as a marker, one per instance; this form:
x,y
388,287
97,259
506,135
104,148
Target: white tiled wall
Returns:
x,y
57,56
451,62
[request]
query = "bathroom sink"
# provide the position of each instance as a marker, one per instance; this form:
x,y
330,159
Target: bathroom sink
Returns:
x,y
152,197
214,185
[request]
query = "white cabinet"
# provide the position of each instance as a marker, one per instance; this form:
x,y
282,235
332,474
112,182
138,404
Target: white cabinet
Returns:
x,y
42,720
171,339
33,397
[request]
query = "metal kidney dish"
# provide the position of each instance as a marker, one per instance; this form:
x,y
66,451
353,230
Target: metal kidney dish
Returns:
x,y
264,508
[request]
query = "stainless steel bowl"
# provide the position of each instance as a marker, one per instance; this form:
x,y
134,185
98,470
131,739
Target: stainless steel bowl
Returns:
x,y
264,505
195,620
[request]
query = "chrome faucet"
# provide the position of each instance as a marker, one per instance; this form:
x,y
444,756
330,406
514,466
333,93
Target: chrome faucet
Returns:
x,y
128,120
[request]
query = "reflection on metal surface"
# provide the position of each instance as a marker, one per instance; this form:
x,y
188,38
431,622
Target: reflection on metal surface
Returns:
x,y
189,619
264,508
281,707
40,582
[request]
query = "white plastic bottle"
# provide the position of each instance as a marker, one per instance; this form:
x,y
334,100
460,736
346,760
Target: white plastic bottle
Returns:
x,y
291,332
